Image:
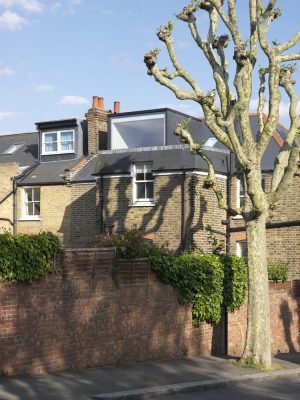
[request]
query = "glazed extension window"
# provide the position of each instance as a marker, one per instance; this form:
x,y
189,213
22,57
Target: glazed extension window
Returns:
x,y
31,203
58,142
143,183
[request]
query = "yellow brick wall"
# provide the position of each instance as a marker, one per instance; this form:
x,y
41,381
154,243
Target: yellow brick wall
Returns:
x,y
165,218
7,171
54,217
84,214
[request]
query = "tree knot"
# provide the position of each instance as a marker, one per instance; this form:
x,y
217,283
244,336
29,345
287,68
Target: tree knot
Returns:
x,y
150,59
209,98
187,14
220,41
208,183
165,32
285,76
241,55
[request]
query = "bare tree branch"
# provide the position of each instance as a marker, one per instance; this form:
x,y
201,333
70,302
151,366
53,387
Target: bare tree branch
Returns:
x,y
290,57
150,60
283,156
211,181
289,44
289,171
261,99
164,34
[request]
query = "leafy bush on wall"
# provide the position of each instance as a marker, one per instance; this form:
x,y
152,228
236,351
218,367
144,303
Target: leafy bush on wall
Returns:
x,y
24,258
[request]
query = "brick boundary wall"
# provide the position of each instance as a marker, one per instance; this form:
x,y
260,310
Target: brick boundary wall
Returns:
x,y
102,311
285,320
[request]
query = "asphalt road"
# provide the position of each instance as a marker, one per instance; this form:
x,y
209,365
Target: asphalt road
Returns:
x,y
279,389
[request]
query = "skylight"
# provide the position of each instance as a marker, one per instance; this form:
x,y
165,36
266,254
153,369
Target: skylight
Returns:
x,y
210,142
12,149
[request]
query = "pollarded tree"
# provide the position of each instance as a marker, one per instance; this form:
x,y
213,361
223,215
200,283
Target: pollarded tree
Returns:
x,y
248,146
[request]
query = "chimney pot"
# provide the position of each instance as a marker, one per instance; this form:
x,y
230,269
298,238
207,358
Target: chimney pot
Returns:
x,y
101,102
95,101
116,107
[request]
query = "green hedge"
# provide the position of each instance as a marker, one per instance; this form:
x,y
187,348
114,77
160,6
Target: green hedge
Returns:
x,y
24,258
212,283
278,272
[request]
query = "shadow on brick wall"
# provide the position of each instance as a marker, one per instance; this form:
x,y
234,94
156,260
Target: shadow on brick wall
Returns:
x,y
82,318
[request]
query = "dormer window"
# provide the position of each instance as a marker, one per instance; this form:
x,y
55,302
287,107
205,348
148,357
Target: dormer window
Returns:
x,y
58,142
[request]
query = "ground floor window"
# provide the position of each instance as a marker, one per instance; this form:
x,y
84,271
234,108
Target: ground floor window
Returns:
x,y
32,202
241,248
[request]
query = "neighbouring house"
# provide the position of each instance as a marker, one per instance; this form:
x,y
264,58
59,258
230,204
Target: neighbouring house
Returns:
x,y
150,181
113,171
46,177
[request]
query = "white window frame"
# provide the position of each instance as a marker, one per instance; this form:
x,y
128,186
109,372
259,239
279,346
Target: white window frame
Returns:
x,y
59,149
141,202
239,247
25,215
238,193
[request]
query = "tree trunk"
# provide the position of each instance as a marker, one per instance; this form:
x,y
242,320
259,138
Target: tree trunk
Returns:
x,y
258,340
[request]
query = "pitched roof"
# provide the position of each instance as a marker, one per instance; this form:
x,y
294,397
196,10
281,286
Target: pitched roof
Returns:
x,y
25,152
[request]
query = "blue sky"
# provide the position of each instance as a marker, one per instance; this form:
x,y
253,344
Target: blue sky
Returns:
x,y
55,55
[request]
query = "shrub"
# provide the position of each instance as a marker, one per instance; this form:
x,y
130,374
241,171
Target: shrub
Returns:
x,y
24,258
278,272
200,282
235,282
129,244
213,283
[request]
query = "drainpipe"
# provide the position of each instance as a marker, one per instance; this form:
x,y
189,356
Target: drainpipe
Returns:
x,y
101,204
183,212
14,180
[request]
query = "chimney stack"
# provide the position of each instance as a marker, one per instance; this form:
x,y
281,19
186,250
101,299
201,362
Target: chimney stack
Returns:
x,y
97,126
116,107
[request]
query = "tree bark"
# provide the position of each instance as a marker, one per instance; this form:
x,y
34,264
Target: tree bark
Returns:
x,y
258,340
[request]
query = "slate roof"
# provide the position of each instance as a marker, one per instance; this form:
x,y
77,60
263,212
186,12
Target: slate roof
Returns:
x,y
86,173
48,173
178,157
26,155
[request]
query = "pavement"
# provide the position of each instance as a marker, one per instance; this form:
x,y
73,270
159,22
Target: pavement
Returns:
x,y
141,380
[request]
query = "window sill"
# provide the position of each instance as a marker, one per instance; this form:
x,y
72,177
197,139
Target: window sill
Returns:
x,y
53,153
29,218
237,217
142,204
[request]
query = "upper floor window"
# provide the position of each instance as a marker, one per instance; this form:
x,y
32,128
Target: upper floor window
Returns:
x,y
58,142
240,193
143,183
137,131
32,202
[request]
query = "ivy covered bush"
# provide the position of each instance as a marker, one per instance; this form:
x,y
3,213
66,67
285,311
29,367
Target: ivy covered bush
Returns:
x,y
24,258
212,283
278,272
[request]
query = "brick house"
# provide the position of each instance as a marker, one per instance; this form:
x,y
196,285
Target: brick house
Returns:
x,y
113,171
46,180
150,181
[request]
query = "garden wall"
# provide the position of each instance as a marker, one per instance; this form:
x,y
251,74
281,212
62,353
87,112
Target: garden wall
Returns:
x,y
99,312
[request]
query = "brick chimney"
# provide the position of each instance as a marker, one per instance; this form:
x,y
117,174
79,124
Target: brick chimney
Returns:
x,y
97,126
